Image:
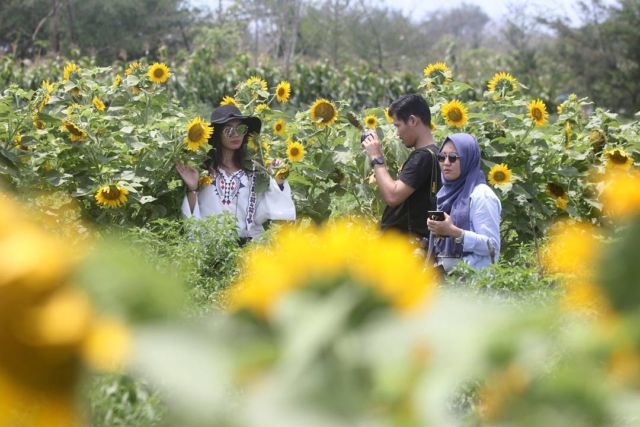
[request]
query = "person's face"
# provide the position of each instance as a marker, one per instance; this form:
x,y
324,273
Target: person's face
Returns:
x,y
233,133
406,130
450,170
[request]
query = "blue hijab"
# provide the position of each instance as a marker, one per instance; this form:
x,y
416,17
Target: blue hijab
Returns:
x,y
454,196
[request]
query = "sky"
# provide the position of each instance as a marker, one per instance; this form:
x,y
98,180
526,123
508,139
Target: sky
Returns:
x,y
496,9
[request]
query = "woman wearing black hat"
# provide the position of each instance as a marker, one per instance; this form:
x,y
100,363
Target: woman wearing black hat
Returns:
x,y
234,185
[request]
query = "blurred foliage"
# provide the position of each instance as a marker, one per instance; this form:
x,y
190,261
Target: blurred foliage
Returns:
x,y
547,336
203,252
116,400
516,275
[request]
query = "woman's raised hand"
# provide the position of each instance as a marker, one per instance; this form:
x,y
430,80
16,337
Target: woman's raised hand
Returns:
x,y
189,175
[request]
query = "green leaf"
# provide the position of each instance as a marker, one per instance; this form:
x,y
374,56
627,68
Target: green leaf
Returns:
x,y
147,199
568,171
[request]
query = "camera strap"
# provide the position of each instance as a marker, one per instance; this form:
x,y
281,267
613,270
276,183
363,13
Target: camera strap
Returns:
x,y
433,185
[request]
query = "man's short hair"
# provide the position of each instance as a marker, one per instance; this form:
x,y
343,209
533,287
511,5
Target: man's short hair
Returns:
x,y
411,104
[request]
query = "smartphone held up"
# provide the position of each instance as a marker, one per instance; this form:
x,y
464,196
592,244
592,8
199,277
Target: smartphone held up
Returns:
x,y
435,215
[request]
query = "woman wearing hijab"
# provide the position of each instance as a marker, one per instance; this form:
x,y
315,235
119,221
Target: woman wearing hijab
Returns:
x,y
234,183
470,230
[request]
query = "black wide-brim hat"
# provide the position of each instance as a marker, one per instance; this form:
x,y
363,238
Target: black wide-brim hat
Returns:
x,y
226,113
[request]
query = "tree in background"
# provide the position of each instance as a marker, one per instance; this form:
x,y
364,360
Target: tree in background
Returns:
x,y
105,29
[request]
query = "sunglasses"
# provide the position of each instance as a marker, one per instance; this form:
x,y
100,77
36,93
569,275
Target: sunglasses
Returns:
x,y
239,130
451,156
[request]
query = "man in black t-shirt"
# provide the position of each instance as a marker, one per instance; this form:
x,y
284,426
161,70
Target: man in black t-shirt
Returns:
x,y
414,192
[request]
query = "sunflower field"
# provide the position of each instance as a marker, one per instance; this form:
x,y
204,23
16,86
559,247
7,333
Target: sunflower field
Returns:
x,y
115,311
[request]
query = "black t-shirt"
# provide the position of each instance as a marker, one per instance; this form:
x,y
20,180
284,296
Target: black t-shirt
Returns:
x,y
411,215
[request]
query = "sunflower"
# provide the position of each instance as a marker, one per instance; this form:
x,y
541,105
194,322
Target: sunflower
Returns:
x,y
555,190
282,173
112,196
433,125
69,69
266,148
561,203
280,127
502,83
620,195
323,113
251,143
49,87
17,139
261,107
77,134
228,100
131,68
117,80
136,90
617,158
48,90
312,256
571,249
560,107
454,113
39,124
295,151
571,101
371,122
283,91
437,72
538,112
255,85
387,116
499,175
198,133
567,133
597,140
205,180
158,73
73,108
98,103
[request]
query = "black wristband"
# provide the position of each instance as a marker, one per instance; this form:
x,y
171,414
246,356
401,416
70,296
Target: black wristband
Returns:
x,y
379,160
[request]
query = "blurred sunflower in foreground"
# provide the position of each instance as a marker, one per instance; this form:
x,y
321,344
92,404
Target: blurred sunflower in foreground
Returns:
x,y
339,253
47,326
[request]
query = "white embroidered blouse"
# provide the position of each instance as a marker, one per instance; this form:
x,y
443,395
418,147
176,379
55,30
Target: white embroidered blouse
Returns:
x,y
236,193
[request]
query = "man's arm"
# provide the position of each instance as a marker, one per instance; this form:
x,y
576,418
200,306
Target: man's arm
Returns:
x,y
393,192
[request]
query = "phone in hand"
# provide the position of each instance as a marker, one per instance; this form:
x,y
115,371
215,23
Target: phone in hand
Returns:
x,y
435,215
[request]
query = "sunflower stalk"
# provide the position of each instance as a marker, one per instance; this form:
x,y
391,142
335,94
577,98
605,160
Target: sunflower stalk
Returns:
x,y
94,158
532,224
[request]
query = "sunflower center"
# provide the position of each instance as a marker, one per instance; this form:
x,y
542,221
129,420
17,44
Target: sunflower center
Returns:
x,y
158,73
196,132
499,176
618,158
455,115
278,127
281,92
325,112
112,194
294,151
537,113
555,189
73,129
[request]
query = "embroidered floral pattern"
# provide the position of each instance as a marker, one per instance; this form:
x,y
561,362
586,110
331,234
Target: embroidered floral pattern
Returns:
x,y
251,209
227,187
